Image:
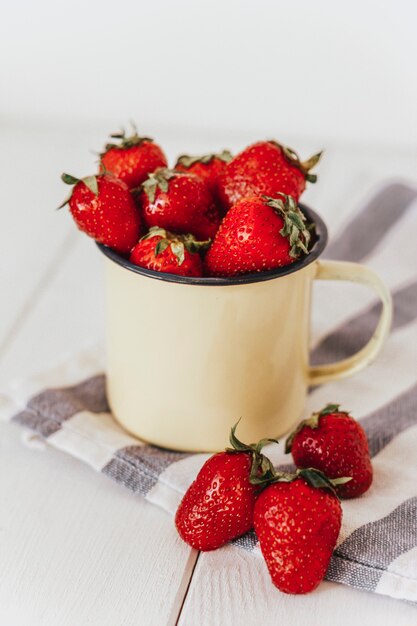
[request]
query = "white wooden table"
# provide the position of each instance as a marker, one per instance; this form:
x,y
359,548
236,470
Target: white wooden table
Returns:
x,y
75,548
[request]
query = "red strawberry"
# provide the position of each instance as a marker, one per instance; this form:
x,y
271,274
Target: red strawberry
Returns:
x,y
219,504
103,208
265,168
297,522
258,234
332,441
132,159
163,251
207,167
179,202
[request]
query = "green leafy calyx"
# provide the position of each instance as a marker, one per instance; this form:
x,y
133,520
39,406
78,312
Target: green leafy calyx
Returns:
x,y
295,228
159,179
123,141
262,469
329,409
312,422
314,477
177,243
89,181
304,166
318,479
187,161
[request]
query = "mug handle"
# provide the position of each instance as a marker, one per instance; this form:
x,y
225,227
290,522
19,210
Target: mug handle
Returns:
x,y
355,273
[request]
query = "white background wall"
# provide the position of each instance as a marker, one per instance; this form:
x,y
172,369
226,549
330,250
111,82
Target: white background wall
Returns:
x,y
314,69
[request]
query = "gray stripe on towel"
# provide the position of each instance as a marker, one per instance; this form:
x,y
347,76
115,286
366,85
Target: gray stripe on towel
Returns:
x,y
353,335
362,235
374,546
358,575
390,420
138,467
247,542
46,411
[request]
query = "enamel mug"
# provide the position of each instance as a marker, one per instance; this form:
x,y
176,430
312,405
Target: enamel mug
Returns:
x,y
188,357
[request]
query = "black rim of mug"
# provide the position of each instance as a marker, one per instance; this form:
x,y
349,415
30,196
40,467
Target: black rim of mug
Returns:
x,y
319,245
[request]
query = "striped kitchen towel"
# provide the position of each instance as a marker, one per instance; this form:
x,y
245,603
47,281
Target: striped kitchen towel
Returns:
x,y
377,547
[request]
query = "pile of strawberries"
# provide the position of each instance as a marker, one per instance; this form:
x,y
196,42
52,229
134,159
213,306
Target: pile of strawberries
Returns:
x,y
214,215
297,516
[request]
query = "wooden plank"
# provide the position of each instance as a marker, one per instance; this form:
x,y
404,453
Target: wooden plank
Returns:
x,y
76,548
231,586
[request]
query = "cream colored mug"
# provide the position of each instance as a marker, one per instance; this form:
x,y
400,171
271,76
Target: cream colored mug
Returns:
x,y
188,357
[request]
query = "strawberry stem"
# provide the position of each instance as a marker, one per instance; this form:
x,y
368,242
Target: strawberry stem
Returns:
x,y
125,142
159,179
177,243
319,480
295,228
330,408
89,181
312,422
304,166
262,469
68,179
314,477
187,161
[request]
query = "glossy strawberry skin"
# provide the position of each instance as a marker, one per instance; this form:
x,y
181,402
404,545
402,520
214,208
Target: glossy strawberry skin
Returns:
x,y
297,527
208,172
338,447
218,506
143,254
186,207
261,169
111,217
132,165
248,241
